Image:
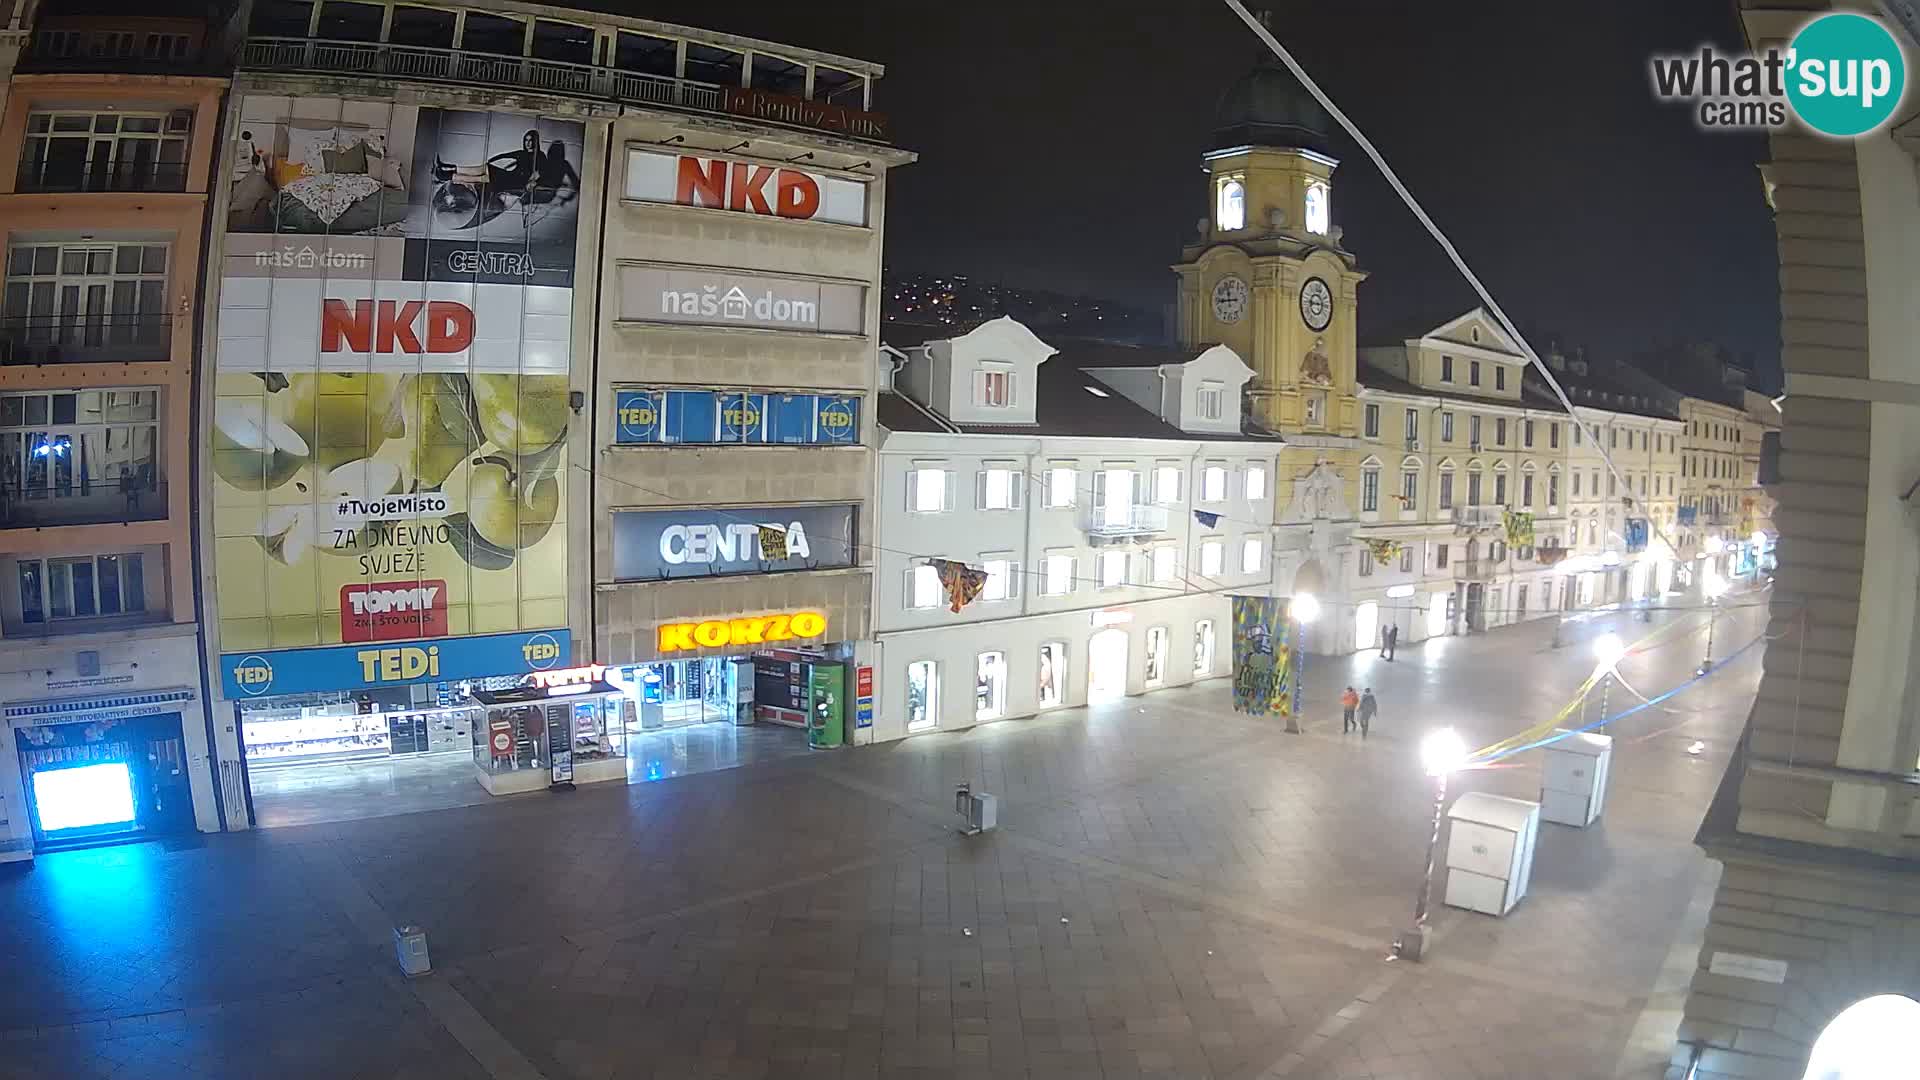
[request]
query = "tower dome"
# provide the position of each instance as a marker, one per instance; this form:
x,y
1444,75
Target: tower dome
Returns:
x,y
1268,107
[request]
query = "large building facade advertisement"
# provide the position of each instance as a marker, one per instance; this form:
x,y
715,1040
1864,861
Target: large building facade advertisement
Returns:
x,y
388,447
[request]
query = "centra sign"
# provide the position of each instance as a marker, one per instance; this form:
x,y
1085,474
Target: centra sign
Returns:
x,y
753,630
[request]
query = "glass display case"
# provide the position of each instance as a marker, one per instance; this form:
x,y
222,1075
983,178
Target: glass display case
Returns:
x,y
533,737
303,733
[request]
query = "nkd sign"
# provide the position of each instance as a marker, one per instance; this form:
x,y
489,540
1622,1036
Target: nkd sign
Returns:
x,y
653,544
690,297
744,187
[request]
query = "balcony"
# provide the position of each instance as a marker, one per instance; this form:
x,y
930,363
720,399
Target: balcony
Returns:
x,y
414,62
1475,569
83,502
1477,517
61,175
81,339
1124,523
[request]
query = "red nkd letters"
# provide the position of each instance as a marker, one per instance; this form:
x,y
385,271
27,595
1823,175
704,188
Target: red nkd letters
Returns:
x,y
736,185
390,326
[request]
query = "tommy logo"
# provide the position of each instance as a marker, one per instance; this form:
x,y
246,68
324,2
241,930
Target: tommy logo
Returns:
x,y
396,610
395,326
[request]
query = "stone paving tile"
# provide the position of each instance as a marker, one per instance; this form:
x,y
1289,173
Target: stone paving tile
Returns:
x,y
1228,892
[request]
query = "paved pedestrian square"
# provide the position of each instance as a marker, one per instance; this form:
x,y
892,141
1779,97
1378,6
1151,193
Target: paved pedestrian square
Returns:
x,y
1176,890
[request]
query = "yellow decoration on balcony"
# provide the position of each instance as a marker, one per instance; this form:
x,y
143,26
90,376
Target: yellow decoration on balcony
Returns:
x,y
1384,551
1519,527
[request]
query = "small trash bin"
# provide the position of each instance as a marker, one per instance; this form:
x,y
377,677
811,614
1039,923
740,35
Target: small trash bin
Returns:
x,y
1490,851
410,948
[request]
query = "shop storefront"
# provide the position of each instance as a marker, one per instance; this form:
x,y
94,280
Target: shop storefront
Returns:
x,y
810,689
565,727
361,730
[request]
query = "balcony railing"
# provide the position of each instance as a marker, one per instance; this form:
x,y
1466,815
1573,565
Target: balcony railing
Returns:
x,y
1477,517
82,339
1474,569
1118,523
83,502
39,175
458,65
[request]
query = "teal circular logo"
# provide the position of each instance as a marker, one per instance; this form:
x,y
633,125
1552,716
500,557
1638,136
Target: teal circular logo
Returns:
x,y
1846,74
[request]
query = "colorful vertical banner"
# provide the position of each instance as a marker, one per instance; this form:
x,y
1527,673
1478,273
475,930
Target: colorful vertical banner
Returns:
x,y
1263,657
389,434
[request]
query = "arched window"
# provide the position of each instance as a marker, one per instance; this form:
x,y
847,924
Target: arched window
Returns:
x,y
1318,217
1231,214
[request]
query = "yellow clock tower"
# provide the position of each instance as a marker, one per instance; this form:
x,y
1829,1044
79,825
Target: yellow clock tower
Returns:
x,y
1267,275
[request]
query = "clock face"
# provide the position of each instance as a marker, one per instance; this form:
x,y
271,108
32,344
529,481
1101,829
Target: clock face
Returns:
x,y
1230,299
1316,304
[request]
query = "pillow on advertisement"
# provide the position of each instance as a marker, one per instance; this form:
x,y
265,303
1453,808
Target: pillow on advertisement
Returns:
x,y
305,144
286,172
352,159
386,170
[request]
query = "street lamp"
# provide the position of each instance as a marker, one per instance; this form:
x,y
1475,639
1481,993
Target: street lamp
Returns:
x,y
1608,649
1715,587
1441,753
1304,609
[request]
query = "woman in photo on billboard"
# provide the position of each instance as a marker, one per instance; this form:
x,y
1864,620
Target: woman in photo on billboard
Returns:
x,y
527,178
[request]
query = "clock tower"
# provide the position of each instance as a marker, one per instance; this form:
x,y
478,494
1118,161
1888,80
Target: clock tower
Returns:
x,y
1267,275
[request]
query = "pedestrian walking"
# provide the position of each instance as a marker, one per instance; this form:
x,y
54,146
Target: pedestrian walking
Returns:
x,y
1368,708
1392,641
1349,702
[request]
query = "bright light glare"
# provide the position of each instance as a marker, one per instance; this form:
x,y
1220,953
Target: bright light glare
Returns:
x,y
1306,608
1715,545
1715,586
1608,649
1443,751
88,795
1872,1039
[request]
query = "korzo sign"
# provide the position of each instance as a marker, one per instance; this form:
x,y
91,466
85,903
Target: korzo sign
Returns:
x,y
653,544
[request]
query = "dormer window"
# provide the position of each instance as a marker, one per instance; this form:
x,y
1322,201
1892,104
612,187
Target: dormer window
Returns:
x,y
1231,212
1318,214
1211,400
993,387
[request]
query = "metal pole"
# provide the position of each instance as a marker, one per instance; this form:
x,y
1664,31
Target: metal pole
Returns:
x,y
1606,684
1713,618
1299,672
1433,848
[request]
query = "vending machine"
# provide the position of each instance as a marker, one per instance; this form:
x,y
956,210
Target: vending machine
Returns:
x,y
826,704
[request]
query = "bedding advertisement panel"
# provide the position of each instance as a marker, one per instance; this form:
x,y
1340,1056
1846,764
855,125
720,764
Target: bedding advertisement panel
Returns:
x,y
389,440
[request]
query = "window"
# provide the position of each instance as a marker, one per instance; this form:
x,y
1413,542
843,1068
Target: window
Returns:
x,y
106,151
778,75
1056,574
705,63
1163,568
1060,483
1211,400
430,29
1053,673
1213,484
1166,484
1318,213
1611,483
1576,485
566,43
1446,427
1369,490
1003,583
1613,438
1409,489
999,488
1406,560
1413,427
1526,491
1203,648
989,685
1440,554
1473,373
76,443
1497,551
1526,434
1500,489
1577,429
505,37
1315,402
1113,569
1446,369
634,52
993,387
1157,639
929,490
1252,555
1256,483
1643,483
1446,489
1365,565
839,87
1212,558
1553,489
81,588
1500,431
1473,432
1553,436
1231,211
1499,377
923,588
1473,487
1372,421
85,301
923,695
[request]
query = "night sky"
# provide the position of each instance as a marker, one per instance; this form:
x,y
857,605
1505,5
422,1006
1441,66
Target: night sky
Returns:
x,y
1060,148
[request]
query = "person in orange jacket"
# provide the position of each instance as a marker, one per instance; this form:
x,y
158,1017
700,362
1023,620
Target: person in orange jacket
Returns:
x,y
1349,701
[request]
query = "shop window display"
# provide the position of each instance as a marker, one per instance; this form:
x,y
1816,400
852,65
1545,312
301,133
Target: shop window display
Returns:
x,y
531,737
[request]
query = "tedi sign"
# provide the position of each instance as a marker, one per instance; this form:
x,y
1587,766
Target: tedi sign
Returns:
x,y
653,544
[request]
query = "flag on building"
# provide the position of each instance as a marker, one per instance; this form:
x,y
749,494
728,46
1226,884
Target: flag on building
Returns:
x,y
1205,518
773,543
962,582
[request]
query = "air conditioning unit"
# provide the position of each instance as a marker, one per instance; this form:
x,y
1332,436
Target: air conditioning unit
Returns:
x,y
1413,444
1474,446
